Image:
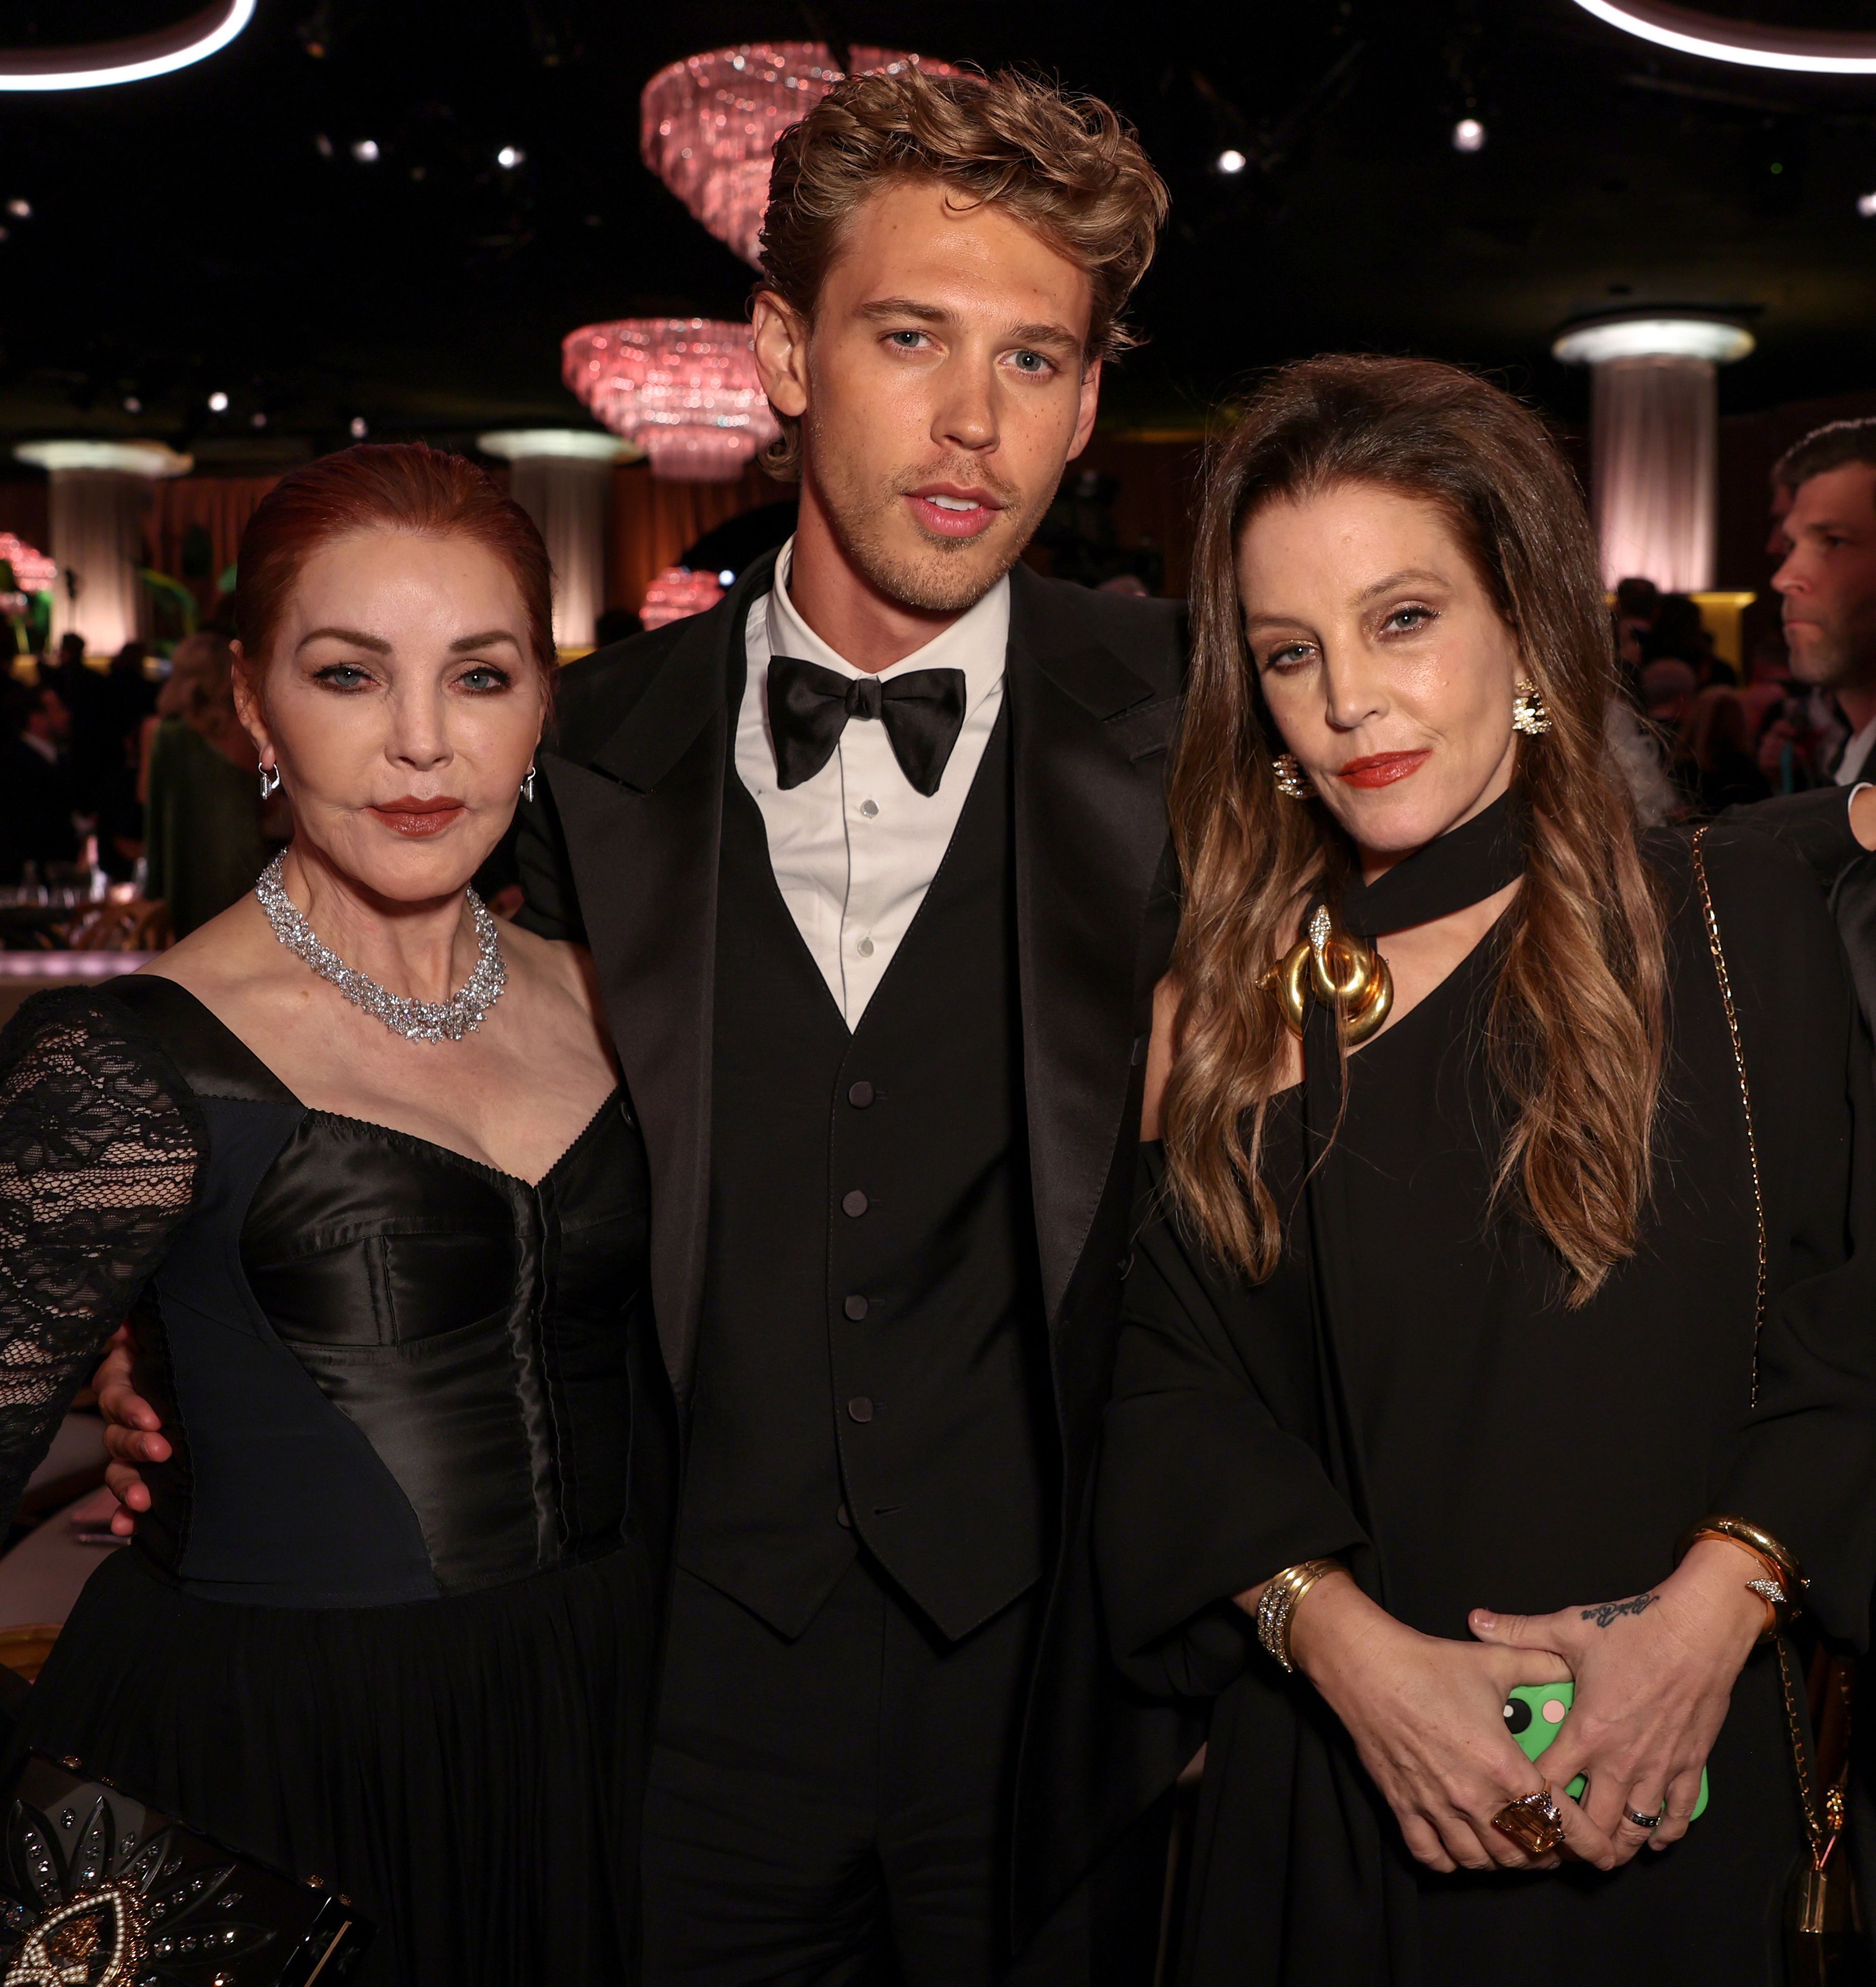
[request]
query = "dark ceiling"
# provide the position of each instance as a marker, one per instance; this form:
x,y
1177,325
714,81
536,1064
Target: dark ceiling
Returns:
x,y
212,230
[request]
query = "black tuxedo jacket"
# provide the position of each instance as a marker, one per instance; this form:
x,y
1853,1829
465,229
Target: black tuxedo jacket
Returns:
x,y
622,849
1815,825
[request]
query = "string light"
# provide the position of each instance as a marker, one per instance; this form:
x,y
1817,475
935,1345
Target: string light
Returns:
x,y
510,157
135,60
1866,205
359,431
1809,50
1232,162
1468,135
217,403
365,151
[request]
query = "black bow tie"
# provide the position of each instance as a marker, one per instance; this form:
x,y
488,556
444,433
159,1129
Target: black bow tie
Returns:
x,y
923,712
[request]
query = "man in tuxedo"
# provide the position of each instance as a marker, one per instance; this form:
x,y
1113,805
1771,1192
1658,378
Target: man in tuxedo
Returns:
x,y
873,861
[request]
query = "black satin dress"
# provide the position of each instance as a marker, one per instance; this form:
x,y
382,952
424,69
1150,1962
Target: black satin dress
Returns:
x,y
1408,1391
389,1622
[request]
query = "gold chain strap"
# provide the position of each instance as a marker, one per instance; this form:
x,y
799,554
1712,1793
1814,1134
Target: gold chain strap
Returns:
x,y
1739,1063
1820,1829
1822,1840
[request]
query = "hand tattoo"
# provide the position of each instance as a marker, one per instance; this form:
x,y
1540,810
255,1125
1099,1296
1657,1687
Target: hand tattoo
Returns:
x,y
1613,1610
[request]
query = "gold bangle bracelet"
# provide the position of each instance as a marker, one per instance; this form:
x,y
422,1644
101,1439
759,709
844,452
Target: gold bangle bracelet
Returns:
x,y
1278,1604
1781,1588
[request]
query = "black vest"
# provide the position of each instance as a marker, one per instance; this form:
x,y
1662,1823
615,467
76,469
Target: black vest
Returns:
x,y
872,1364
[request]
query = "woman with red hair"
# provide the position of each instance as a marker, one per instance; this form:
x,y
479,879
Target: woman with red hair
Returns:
x,y
356,1163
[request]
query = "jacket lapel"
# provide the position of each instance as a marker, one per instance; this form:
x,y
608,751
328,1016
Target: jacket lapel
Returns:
x,y
643,821
1090,736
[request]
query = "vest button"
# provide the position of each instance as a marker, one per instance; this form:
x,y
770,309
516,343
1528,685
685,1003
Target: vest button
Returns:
x,y
856,1308
854,1203
841,1519
860,1408
860,1095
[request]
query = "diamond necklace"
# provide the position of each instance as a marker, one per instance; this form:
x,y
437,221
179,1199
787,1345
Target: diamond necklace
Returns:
x,y
416,1020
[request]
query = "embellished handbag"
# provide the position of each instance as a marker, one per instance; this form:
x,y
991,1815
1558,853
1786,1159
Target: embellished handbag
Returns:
x,y
1823,1913
97,1889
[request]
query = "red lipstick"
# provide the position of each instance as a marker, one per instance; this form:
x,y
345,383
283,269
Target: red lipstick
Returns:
x,y
417,818
1382,769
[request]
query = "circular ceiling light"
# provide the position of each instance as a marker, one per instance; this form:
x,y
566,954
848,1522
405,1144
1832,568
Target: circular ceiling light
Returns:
x,y
1644,337
90,66
1815,51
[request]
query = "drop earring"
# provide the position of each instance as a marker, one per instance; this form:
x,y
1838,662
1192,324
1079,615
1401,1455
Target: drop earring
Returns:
x,y
1293,781
269,782
1530,714
527,784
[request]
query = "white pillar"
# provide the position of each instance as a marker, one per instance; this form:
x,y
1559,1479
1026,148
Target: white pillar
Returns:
x,y
562,477
100,492
1655,442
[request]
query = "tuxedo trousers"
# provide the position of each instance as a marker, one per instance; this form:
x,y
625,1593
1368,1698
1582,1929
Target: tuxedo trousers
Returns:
x,y
833,1811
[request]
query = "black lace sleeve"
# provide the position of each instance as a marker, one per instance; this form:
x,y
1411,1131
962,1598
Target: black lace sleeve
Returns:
x,y
100,1142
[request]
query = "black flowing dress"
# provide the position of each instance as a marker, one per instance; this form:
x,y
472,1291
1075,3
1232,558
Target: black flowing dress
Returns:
x,y
389,1623
1409,1392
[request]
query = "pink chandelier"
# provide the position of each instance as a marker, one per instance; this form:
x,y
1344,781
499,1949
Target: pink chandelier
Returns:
x,y
709,124
684,388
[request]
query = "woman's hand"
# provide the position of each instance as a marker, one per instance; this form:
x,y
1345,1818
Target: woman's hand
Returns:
x,y
1427,1717
1654,1678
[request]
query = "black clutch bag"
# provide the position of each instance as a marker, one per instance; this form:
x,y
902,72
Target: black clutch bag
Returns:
x,y
97,1889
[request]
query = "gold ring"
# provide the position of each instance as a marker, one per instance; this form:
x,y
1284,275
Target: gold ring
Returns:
x,y
1532,1822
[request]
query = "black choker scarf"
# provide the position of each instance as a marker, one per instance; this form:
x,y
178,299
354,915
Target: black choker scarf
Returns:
x,y
1464,866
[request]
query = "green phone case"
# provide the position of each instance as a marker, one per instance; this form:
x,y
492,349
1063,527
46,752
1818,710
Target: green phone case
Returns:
x,y
1525,1719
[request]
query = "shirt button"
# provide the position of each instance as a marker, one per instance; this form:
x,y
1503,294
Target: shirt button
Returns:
x,y
865,948
860,1408
856,1308
860,1095
869,808
854,1203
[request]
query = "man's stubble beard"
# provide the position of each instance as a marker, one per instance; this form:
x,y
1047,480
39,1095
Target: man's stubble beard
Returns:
x,y
942,577
1836,658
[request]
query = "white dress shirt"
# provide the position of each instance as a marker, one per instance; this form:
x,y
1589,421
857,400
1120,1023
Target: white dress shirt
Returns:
x,y
855,849
1856,755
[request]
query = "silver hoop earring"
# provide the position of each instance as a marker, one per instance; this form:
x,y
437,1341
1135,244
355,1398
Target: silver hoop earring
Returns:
x,y
269,782
1293,781
527,785
1530,714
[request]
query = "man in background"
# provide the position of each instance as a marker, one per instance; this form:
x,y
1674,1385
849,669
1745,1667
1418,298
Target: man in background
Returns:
x,y
36,793
1828,580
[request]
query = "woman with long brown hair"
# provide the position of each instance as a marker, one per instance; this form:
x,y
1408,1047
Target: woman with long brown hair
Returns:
x,y
1505,1252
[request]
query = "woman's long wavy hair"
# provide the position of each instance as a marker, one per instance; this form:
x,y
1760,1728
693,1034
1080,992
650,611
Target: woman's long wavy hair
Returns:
x,y
1577,1022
